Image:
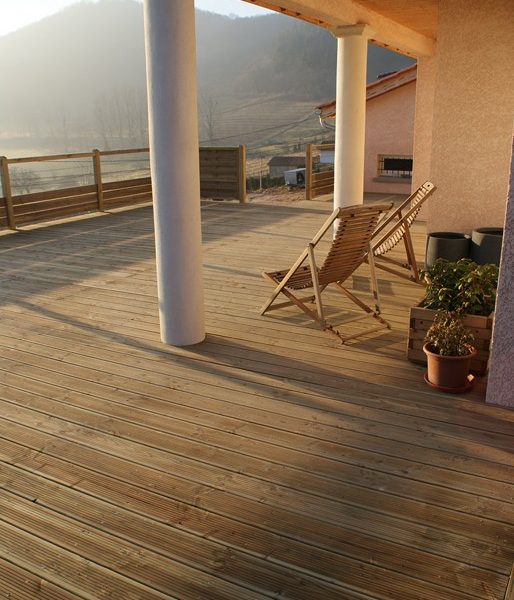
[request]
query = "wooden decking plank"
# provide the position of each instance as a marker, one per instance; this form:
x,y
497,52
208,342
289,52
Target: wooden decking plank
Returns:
x,y
475,409
147,569
189,440
264,576
233,296
271,468
267,542
234,324
231,317
208,556
266,440
390,414
102,385
243,289
497,448
227,432
143,335
397,527
293,437
509,591
20,584
64,568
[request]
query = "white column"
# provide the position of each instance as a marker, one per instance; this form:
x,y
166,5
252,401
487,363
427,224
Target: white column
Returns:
x,y
352,54
174,160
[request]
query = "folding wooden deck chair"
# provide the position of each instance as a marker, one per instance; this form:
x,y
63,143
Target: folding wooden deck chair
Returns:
x,y
350,248
395,228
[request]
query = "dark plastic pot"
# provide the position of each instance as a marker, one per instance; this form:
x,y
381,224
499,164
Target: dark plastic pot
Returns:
x,y
449,245
486,245
448,373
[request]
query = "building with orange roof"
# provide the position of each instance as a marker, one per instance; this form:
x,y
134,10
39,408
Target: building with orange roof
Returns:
x,y
390,110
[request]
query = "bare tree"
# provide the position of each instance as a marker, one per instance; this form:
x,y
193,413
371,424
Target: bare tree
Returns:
x,y
122,117
209,118
24,180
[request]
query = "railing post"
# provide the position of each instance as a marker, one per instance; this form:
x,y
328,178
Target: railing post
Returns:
x,y
7,192
97,169
242,173
308,172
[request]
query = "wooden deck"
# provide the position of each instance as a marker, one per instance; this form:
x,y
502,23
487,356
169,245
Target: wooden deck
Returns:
x,y
267,462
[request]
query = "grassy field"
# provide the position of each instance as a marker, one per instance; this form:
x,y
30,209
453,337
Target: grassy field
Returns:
x,y
269,126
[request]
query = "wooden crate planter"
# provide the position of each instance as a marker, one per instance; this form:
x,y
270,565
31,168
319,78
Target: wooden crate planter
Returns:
x,y
422,318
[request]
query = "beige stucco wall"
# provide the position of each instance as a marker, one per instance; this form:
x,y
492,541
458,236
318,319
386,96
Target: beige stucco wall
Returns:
x,y
389,130
473,111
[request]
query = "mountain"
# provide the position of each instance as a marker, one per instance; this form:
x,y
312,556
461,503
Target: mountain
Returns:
x,y
78,77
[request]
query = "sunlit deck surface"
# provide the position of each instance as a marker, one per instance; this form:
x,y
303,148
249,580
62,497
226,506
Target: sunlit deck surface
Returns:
x,y
267,462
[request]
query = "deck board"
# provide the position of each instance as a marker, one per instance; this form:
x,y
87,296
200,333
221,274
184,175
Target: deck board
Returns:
x,y
268,461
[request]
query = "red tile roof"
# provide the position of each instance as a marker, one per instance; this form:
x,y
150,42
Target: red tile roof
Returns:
x,y
374,89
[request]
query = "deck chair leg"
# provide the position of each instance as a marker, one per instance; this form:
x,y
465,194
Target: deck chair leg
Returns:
x,y
293,300
301,305
365,307
316,286
374,282
280,287
411,256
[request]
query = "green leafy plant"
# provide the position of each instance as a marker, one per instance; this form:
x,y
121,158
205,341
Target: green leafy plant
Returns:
x,y
461,287
448,337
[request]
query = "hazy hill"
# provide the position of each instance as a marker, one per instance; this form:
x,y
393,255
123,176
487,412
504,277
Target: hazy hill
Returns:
x,y
80,74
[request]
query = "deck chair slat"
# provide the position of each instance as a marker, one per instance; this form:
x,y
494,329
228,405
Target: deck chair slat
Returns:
x,y
395,228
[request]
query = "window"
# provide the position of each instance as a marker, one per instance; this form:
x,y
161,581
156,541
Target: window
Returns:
x,y
395,166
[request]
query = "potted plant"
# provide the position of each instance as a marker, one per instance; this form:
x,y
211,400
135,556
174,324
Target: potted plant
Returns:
x,y
449,350
461,287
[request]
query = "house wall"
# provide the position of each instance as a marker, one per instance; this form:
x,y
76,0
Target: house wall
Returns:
x,y
389,130
278,170
472,115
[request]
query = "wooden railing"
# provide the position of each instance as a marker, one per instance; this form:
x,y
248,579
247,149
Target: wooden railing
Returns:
x,y
320,182
222,175
223,172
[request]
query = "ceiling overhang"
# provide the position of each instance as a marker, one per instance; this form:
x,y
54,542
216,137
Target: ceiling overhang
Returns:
x,y
400,25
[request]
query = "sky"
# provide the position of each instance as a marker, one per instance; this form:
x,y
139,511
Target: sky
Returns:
x,y
15,14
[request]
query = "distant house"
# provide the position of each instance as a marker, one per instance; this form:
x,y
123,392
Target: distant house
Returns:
x,y
278,164
390,103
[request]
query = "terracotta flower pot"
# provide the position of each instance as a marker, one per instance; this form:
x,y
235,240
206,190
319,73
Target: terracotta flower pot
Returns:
x,y
448,372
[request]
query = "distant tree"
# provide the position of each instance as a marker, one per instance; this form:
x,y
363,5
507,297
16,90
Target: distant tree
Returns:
x,y
121,117
24,181
209,118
